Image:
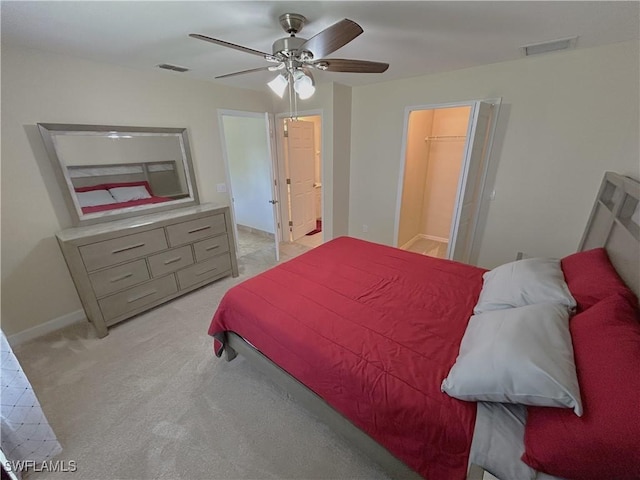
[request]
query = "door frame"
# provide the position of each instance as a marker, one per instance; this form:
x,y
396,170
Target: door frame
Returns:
x,y
483,204
282,173
272,167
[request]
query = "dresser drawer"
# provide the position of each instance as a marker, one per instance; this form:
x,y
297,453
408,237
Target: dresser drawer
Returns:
x,y
211,247
195,229
136,297
201,271
118,250
167,262
113,279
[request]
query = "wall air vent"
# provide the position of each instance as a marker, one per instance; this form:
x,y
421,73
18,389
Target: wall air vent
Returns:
x,y
552,46
175,68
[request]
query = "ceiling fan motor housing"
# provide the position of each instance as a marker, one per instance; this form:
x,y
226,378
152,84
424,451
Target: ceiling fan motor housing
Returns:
x,y
287,44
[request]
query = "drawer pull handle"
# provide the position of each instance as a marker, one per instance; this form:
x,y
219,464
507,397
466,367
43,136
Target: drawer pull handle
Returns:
x,y
206,271
130,247
199,229
121,277
141,296
213,247
172,260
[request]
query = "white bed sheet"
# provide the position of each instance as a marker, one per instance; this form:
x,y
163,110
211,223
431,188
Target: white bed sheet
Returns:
x,y
498,442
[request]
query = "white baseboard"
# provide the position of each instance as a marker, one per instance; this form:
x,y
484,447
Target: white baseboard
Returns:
x,y
410,242
407,245
46,327
434,238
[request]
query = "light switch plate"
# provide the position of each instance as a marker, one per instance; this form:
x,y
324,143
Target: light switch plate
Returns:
x,y
221,187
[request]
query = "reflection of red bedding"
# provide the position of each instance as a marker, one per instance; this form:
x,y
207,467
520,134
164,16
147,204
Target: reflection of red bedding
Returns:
x,y
132,203
373,330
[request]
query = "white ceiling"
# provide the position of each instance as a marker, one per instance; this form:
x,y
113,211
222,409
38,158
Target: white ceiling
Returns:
x,y
415,38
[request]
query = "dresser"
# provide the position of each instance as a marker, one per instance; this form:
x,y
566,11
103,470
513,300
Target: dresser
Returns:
x,y
125,267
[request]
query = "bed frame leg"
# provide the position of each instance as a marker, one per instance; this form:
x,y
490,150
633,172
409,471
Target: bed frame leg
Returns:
x,y
475,472
230,352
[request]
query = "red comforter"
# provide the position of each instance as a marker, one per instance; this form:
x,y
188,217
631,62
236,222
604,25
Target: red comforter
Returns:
x,y
373,330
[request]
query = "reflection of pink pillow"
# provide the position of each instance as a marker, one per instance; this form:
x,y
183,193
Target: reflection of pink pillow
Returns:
x,y
591,277
128,194
603,443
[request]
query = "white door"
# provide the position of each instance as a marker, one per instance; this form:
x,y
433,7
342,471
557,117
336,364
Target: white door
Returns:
x,y
299,144
248,154
470,183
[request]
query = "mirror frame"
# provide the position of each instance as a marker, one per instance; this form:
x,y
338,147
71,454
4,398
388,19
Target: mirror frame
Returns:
x,y
48,130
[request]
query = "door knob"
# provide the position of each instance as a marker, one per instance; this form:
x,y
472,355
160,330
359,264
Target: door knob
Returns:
x,y
273,202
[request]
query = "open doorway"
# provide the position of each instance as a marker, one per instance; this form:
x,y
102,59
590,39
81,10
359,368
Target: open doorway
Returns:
x,y
300,175
247,148
444,171
434,153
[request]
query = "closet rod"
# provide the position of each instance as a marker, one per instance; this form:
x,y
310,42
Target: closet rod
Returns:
x,y
445,137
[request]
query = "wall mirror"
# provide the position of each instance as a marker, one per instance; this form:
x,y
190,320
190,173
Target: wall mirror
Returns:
x,y
112,172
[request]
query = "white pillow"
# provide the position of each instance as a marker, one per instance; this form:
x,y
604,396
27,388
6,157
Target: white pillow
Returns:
x,y
94,198
127,194
517,355
524,282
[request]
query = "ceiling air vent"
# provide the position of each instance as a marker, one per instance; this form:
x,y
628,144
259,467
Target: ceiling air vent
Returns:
x,y
175,68
552,46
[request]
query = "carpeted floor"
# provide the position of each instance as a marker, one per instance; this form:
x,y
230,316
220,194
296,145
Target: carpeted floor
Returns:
x,y
151,401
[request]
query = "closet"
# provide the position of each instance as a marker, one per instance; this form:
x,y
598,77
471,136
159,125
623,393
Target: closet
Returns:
x,y
435,150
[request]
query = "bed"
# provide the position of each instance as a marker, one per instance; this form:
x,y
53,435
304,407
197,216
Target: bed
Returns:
x,y
364,334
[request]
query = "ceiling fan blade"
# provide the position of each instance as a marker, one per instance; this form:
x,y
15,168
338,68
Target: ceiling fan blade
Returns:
x,y
230,45
346,65
332,38
260,69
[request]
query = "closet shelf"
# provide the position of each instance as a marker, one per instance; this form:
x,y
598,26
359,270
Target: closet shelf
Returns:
x,y
445,137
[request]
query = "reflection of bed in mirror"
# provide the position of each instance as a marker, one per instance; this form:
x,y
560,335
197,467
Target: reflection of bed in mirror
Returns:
x,y
110,172
108,187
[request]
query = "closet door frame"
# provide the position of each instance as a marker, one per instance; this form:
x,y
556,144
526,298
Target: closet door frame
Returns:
x,y
485,196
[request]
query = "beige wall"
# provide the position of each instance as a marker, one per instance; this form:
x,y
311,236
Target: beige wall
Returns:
x,y
443,171
39,87
566,118
341,158
415,176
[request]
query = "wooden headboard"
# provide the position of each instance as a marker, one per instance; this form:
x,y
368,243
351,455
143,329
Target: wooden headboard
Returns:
x,y
614,224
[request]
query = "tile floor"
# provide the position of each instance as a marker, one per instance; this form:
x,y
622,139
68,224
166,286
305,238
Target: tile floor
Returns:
x,y
311,241
251,243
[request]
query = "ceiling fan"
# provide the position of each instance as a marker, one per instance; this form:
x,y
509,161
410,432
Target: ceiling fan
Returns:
x,y
295,56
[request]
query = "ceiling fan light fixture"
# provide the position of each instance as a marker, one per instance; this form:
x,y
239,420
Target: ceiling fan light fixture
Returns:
x,y
278,85
303,84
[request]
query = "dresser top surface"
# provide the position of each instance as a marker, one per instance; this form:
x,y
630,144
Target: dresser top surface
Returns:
x,y
124,224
